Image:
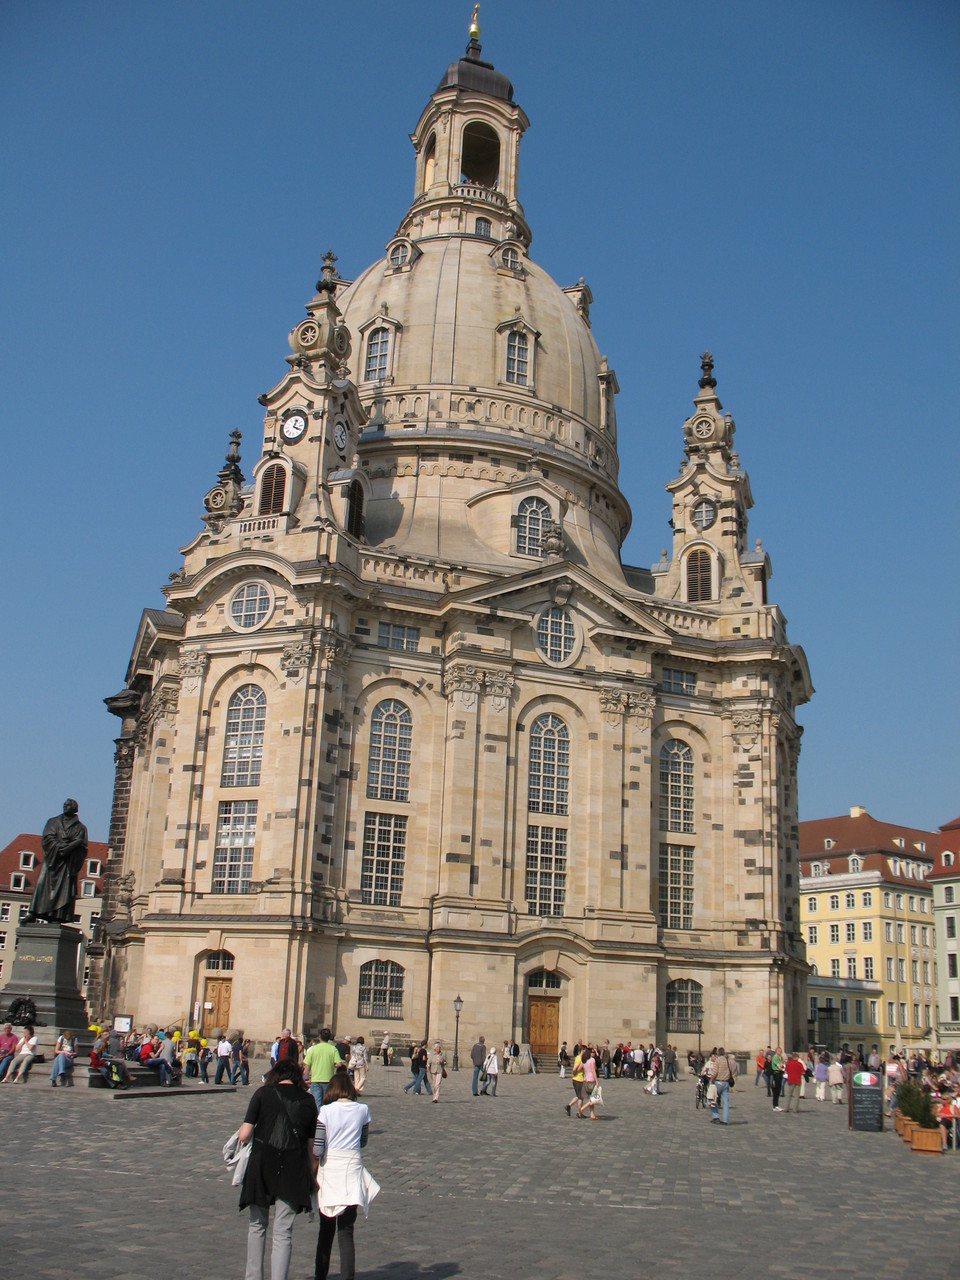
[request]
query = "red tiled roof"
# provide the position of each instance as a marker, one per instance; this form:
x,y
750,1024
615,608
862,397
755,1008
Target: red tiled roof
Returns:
x,y
947,842
26,843
862,834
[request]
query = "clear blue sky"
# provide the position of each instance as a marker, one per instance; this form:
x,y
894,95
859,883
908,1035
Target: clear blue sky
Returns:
x,y
777,182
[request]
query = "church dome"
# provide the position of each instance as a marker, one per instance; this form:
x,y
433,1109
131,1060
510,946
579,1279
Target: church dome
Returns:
x,y
449,312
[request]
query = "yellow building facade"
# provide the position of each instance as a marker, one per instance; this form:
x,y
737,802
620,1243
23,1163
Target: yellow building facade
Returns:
x,y
866,908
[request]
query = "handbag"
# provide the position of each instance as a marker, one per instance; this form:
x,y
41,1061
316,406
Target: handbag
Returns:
x,y
712,1093
236,1156
443,1073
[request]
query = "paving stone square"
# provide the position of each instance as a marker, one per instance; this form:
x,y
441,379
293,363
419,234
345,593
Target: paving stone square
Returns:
x,y
484,1187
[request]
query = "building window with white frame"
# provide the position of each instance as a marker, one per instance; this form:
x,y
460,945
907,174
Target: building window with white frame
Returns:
x,y
378,347
3,940
844,1010
812,906
548,792
903,1013
88,889
868,968
851,966
834,968
517,357
545,875
834,902
850,901
233,849
556,634
868,930
676,787
834,933
811,935
391,635
890,968
243,737
381,990
866,899
4,910
858,1012
673,680
17,882
676,886
888,931
851,931
384,858
391,747
533,514
28,860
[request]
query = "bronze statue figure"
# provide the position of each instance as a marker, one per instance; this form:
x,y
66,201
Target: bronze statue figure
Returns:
x,y
64,842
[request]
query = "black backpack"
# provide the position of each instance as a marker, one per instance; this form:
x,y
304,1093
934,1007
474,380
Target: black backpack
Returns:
x,y
283,1135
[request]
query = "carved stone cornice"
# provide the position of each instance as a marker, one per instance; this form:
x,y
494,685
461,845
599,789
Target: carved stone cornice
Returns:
x,y
614,704
643,703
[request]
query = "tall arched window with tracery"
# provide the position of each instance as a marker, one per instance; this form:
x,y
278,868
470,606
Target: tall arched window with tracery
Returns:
x,y
532,515
388,763
272,489
676,786
699,576
243,737
675,885
548,792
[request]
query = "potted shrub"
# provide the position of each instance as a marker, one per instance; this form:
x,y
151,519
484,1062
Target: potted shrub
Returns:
x,y
908,1100
926,1135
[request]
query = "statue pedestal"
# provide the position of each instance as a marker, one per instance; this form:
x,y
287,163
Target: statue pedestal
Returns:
x,y
45,970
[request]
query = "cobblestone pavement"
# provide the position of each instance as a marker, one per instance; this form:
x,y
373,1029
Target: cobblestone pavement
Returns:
x,y
484,1187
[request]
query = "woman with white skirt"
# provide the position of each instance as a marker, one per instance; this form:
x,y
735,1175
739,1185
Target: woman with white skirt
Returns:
x,y
343,1182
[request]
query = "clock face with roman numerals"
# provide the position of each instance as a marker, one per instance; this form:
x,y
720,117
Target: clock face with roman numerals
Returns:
x,y
294,426
340,435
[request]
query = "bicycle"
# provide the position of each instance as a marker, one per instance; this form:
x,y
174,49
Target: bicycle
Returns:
x,y
701,1098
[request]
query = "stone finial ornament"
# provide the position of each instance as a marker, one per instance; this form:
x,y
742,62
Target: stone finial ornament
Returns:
x,y
706,364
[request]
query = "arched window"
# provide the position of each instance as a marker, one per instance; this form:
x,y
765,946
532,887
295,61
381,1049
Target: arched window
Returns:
x,y
388,764
430,162
375,366
398,255
555,634
699,576
548,788
532,515
510,258
220,961
355,509
517,351
684,1005
480,156
543,980
243,737
381,990
483,228
272,488
549,769
676,787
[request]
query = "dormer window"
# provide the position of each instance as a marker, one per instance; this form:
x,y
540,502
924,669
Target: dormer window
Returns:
x,y
17,882
398,255
828,843
510,258
272,490
378,345
93,866
27,860
532,515
517,349
855,864
948,859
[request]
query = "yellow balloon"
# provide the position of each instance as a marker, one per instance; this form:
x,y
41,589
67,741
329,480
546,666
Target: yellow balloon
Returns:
x,y
176,1035
203,1042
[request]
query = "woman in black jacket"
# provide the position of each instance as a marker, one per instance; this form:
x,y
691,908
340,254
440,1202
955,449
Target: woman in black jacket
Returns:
x,y
282,1122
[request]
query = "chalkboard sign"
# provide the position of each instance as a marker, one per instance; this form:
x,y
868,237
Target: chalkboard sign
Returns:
x,y
866,1101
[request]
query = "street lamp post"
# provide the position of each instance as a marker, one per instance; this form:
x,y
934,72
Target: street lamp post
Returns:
x,y
457,1006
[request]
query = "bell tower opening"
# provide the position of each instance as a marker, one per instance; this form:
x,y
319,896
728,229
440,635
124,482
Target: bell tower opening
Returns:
x,y
480,156
430,162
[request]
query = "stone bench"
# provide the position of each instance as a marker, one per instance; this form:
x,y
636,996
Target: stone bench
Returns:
x,y
144,1077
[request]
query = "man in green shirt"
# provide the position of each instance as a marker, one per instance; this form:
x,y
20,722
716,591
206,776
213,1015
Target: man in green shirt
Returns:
x,y
321,1061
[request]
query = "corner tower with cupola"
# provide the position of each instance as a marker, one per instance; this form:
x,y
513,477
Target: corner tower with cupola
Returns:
x,y
408,727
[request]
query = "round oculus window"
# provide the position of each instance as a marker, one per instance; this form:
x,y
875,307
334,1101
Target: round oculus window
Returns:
x,y
704,514
556,635
398,255
703,427
250,606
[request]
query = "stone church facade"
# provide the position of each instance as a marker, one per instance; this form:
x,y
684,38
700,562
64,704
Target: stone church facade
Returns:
x,y
408,728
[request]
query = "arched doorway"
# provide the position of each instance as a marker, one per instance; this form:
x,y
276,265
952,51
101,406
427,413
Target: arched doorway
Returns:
x,y
543,1012
217,991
